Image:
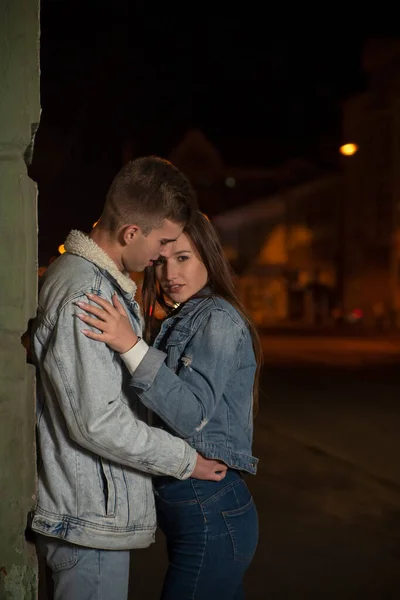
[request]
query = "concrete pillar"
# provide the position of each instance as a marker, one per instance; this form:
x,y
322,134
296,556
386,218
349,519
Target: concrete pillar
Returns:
x,y
19,116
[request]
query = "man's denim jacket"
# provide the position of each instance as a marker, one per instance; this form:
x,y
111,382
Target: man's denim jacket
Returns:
x,y
97,453
203,389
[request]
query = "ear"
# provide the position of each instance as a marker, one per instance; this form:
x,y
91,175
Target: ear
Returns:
x,y
128,234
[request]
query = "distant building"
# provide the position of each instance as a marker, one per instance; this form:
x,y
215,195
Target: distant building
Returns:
x,y
306,245
281,232
219,185
372,187
285,250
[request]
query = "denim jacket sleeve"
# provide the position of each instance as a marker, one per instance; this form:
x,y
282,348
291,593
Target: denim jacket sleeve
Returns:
x,y
186,401
86,379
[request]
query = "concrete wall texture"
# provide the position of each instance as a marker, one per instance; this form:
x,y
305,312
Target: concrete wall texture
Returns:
x,y
19,112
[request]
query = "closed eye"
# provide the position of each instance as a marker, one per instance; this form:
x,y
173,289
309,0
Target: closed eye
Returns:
x,y
160,261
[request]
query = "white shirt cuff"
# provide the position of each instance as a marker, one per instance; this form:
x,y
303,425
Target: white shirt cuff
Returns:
x,y
135,355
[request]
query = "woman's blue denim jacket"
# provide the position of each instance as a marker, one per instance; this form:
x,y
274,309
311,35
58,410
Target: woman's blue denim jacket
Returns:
x,y
203,389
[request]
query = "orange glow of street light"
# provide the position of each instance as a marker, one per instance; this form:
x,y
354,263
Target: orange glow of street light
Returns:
x,y
348,149
61,249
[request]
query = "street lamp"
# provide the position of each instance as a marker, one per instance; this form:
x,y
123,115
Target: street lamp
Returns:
x,y
61,249
348,149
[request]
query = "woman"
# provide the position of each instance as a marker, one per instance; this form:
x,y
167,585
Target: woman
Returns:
x,y
205,390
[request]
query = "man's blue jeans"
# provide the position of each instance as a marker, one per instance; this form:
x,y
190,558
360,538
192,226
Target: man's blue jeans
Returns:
x,y
212,532
85,573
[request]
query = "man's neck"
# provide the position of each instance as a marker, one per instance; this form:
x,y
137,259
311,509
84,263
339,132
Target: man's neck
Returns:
x,y
103,239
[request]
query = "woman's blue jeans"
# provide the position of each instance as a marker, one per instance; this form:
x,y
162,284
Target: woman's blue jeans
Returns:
x,y
212,532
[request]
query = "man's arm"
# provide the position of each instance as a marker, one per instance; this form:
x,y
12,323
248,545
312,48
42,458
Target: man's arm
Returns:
x,y
85,379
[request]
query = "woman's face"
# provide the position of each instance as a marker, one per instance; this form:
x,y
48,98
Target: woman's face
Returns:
x,y
180,272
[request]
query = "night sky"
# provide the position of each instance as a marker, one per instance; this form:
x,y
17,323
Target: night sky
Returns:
x,y
112,73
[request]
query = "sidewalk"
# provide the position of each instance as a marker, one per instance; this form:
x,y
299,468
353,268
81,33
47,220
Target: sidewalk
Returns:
x,y
346,331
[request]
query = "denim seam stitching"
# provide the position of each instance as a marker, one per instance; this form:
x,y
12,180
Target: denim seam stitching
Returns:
x,y
205,541
226,488
237,556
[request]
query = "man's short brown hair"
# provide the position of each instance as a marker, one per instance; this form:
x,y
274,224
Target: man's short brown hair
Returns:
x,y
145,192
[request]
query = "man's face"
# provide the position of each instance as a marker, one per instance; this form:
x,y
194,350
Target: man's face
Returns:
x,y
143,249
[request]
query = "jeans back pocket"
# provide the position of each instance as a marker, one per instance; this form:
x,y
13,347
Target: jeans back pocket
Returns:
x,y
242,524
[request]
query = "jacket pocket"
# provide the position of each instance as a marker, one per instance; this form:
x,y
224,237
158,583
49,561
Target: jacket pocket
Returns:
x,y
177,335
107,485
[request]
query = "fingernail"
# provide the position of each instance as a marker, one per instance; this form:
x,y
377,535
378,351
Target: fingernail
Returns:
x,y
80,316
85,331
89,295
80,304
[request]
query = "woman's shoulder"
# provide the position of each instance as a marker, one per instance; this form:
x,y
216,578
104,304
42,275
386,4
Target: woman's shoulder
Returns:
x,y
216,308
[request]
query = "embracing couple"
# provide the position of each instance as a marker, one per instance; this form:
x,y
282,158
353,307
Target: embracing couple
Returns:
x,y
137,429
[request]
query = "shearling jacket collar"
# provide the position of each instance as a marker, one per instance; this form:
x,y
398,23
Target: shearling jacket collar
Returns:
x,y
82,245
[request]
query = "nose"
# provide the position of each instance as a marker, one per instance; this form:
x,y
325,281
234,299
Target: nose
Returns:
x,y
170,270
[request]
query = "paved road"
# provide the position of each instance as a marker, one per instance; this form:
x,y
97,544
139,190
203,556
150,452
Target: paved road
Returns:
x,y
350,413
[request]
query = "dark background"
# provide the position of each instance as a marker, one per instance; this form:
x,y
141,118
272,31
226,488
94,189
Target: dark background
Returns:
x,y
143,74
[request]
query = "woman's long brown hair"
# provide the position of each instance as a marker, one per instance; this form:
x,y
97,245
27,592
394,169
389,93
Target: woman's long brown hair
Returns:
x,y
220,281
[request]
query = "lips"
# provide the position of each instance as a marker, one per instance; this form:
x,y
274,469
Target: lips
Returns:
x,y
174,288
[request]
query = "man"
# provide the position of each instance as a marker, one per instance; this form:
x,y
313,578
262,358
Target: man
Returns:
x,y
96,452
